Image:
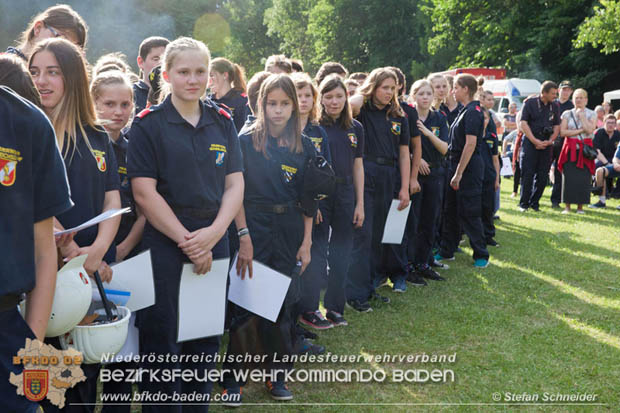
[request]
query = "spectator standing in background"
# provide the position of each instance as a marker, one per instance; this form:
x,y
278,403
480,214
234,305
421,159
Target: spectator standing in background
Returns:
x,y
600,116
577,126
510,120
605,142
565,92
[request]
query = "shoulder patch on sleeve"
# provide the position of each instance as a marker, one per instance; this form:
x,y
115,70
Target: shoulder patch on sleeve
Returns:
x,y
144,112
411,104
224,113
478,108
244,95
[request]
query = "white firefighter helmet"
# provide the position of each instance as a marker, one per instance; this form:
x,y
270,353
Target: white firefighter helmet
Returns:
x,y
72,298
98,339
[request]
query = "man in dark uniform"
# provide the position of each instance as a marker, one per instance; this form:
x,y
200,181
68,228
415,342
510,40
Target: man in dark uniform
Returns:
x,y
33,190
565,91
540,123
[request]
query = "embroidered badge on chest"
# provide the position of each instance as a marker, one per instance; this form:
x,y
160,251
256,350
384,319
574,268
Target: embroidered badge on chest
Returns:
x,y
100,157
395,128
353,139
220,153
317,143
288,172
8,165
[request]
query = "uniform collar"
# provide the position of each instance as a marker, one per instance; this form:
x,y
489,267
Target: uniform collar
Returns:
x,y
374,108
173,116
141,85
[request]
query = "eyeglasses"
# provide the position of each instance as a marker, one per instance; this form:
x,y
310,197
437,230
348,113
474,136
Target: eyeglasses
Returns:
x,y
55,32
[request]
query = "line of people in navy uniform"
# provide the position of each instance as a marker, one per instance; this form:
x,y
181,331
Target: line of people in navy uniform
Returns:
x,y
223,175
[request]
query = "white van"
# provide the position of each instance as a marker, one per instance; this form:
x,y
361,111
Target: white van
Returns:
x,y
506,91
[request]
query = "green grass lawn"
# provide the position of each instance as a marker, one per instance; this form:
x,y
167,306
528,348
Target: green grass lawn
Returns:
x,y
543,317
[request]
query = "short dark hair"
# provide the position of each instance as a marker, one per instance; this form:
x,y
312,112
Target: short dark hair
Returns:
x,y
254,88
15,75
547,86
151,43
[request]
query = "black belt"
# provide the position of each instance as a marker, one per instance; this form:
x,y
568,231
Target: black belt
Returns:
x,y
344,180
9,302
380,160
278,209
197,213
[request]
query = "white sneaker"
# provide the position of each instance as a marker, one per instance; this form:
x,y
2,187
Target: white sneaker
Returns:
x,y
581,211
566,211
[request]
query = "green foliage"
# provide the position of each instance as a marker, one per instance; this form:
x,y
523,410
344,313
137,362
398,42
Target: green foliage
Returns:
x,y
601,29
249,44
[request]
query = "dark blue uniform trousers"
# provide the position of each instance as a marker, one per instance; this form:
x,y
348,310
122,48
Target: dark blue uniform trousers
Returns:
x,y
422,222
276,239
13,336
370,259
488,209
535,166
158,324
464,207
337,212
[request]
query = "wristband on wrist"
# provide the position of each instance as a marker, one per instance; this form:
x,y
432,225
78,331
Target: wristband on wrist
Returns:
x,y
242,232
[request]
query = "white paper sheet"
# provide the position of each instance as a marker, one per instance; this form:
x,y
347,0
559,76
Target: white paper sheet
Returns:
x,y
263,294
202,302
96,220
506,167
395,224
136,276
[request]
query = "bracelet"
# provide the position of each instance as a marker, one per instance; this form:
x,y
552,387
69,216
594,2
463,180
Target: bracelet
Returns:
x,y
242,232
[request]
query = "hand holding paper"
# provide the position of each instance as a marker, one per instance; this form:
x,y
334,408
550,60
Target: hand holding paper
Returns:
x,y
395,223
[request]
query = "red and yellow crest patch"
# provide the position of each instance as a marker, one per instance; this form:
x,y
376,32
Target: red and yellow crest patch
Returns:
x,y
36,384
101,163
9,158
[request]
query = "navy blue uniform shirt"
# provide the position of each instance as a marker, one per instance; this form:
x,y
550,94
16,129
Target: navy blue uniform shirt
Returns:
x,y
33,187
568,105
91,175
383,135
17,52
140,95
538,115
412,118
606,144
189,163
435,122
489,148
278,178
470,121
237,102
345,145
127,220
319,139
450,115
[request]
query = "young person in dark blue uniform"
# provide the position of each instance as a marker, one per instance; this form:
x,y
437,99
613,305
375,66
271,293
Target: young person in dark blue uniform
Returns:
x,y
59,72
227,84
427,203
342,212
387,167
185,168
273,229
307,96
56,21
149,56
443,99
490,155
399,282
113,97
34,190
540,122
463,202
253,90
